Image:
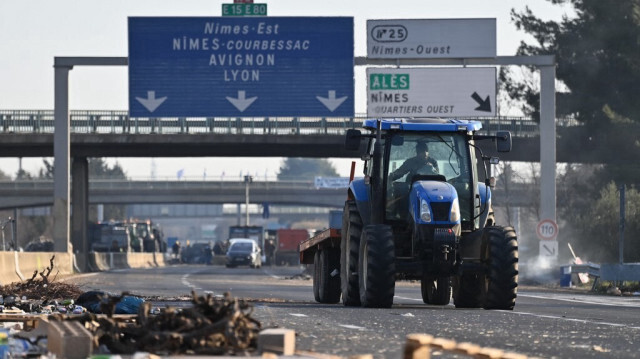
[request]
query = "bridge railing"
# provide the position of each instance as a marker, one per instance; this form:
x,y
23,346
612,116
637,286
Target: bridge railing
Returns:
x,y
118,122
123,184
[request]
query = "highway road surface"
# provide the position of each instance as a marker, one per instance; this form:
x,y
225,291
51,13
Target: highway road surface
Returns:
x,y
545,323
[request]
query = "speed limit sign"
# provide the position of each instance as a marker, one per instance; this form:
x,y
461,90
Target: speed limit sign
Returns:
x,y
547,230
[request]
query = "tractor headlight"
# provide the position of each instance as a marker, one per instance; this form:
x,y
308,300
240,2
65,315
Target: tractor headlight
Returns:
x,y
425,212
455,211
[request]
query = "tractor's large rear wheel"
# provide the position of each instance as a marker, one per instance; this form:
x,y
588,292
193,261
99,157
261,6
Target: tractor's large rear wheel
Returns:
x,y
349,246
376,267
500,255
435,290
328,276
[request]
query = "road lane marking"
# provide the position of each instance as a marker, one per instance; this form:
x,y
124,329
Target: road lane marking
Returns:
x,y
405,298
584,321
348,326
633,304
184,280
298,315
270,274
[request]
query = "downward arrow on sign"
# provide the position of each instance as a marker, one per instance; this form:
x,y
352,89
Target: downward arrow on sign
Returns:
x,y
485,105
151,103
552,251
332,102
241,103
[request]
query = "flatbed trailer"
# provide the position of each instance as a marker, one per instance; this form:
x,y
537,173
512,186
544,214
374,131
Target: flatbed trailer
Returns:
x,y
323,251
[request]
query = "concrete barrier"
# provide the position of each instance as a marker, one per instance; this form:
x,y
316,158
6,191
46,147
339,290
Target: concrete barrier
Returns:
x,y
8,268
141,260
19,266
30,262
98,262
119,260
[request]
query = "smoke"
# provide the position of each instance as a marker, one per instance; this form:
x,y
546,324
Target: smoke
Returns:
x,y
539,270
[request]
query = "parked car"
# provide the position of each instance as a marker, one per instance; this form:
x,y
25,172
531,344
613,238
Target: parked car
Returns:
x,y
243,251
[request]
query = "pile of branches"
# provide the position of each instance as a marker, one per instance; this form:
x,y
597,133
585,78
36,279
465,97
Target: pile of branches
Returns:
x,y
41,288
213,326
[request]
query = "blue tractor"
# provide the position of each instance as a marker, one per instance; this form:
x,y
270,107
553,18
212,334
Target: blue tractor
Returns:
x,y
425,217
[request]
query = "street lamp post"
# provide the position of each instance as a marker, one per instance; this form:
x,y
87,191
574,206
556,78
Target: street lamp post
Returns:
x,y
247,181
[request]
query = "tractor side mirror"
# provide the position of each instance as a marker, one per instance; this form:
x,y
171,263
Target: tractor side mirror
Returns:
x,y
503,141
352,141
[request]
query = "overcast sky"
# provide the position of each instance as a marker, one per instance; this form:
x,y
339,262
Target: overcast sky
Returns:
x,y
33,32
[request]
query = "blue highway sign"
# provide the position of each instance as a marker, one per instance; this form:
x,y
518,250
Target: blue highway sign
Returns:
x,y
241,66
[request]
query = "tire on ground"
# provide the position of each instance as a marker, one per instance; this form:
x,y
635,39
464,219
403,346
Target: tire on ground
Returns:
x,y
501,258
349,246
436,291
328,277
376,266
468,290
316,279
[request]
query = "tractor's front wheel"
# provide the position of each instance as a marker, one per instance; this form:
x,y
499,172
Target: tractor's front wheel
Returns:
x,y
349,246
376,267
435,290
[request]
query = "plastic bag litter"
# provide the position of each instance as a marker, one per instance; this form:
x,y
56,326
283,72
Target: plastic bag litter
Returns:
x,y
92,299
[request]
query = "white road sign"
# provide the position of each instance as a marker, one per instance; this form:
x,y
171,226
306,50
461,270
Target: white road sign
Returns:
x,y
547,230
431,38
431,92
548,248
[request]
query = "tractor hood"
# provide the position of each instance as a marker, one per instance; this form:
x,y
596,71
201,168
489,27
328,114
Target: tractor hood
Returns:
x,y
434,191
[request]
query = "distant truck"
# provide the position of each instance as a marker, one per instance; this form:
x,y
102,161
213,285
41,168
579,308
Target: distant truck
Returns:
x,y
113,238
287,245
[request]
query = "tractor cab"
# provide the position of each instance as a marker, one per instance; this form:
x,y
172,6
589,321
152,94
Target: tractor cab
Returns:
x,y
414,157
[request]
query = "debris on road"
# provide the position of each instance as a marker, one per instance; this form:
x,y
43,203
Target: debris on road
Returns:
x,y
129,324
421,345
213,326
42,288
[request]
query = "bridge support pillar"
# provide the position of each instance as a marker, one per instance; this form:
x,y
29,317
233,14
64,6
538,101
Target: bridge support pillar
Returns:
x,y
80,201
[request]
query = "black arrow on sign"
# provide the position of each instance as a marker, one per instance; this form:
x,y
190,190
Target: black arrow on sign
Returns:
x,y
484,105
552,251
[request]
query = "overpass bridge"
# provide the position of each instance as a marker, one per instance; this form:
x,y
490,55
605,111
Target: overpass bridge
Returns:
x,y
20,194
29,133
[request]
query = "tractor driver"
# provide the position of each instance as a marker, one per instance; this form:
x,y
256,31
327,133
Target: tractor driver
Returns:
x,y
421,163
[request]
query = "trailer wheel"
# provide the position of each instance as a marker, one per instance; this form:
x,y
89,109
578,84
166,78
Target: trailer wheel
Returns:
x,y
436,291
376,267
329,276
468,290
500,254
316,275
349,246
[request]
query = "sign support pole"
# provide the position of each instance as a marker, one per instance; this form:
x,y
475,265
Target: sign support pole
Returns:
x,y
62,143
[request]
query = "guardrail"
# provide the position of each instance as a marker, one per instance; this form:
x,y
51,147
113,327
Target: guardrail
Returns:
x,y
119,122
